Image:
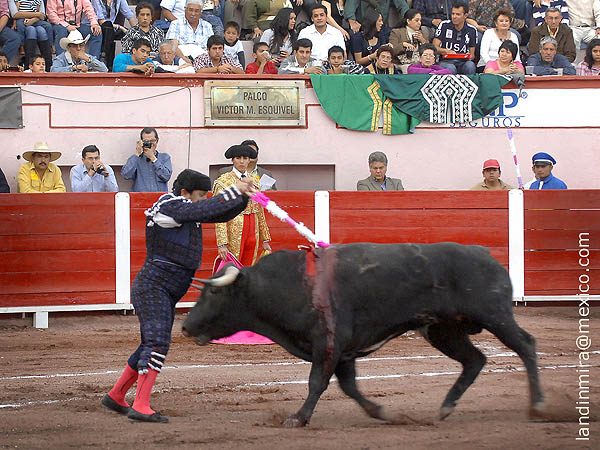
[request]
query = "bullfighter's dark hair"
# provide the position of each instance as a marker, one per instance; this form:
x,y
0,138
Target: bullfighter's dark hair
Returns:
x,y
191,180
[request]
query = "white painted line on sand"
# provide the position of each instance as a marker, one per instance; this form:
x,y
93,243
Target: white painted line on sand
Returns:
x,y
279,383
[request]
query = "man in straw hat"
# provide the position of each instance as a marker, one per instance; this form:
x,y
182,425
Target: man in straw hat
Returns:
x,y
174,251
39,174
75,59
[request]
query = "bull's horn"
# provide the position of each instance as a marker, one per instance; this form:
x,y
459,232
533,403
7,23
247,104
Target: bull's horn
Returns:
x,y
231,273
201,280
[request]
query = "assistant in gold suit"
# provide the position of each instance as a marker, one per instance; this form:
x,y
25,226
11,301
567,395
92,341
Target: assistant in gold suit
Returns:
x,y
242,235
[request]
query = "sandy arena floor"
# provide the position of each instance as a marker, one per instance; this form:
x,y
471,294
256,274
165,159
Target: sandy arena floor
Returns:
x,y
236,397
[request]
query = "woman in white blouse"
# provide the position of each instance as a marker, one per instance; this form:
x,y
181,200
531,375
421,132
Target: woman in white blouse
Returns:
x,y
493,37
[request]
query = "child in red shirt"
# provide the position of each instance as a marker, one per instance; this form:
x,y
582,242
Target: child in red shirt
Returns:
x,y
262,63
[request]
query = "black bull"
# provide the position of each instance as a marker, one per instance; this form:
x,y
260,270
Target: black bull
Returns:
x,y
349,300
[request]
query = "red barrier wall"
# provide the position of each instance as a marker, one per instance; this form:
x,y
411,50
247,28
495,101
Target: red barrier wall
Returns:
x,y
466,217
553,223
299,204
57,249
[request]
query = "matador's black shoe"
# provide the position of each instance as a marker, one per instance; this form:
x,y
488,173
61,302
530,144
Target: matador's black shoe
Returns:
x,y
139,417
109,403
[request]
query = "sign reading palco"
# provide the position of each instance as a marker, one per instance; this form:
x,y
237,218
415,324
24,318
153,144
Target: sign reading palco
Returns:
x,y
242,103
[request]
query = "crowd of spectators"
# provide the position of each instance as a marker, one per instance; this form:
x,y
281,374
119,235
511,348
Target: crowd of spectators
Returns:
x,y
151,170
467,37
148,168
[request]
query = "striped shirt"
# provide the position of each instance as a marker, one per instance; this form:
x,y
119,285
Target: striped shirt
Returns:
x,y
182,31
540,13
30,5
203,61
584,70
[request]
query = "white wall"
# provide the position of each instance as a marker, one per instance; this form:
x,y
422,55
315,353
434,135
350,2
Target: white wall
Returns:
x,y
429,159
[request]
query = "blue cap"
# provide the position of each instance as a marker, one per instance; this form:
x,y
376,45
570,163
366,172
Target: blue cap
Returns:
x,y
543,159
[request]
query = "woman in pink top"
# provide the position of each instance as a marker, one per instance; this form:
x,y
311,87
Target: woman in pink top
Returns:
x,y
505,64
427,62
591,63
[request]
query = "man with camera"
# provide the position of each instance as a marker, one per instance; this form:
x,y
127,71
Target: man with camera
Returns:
x,y
92,175
149,169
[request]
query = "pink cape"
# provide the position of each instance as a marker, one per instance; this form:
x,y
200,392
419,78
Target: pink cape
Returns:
x,y
243,337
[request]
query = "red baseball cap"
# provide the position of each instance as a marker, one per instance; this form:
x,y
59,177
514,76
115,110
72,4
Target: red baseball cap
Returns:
x,y
491,164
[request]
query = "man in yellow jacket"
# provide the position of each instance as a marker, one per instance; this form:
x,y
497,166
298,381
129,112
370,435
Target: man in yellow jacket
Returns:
x,y
39,174
243,234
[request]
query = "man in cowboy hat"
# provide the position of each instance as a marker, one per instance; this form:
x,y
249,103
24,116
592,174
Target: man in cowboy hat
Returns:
x,y
39,174
75,59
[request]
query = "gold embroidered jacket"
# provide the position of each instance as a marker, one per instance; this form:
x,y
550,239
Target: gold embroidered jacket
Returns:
x,y
230,233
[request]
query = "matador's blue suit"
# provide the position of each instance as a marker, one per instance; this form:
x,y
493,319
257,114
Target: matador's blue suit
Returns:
x,y
173,253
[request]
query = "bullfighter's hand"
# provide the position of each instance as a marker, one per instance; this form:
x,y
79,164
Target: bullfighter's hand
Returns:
x,y
223,252
246,186
267,247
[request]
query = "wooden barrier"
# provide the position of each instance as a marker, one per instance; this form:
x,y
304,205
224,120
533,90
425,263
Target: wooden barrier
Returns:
x,y
57,251
299,204
466,217
556,223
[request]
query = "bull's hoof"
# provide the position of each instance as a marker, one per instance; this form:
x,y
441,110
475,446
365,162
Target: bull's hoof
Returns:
x,y
445,411
537,410
294,422
378,412
405,419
